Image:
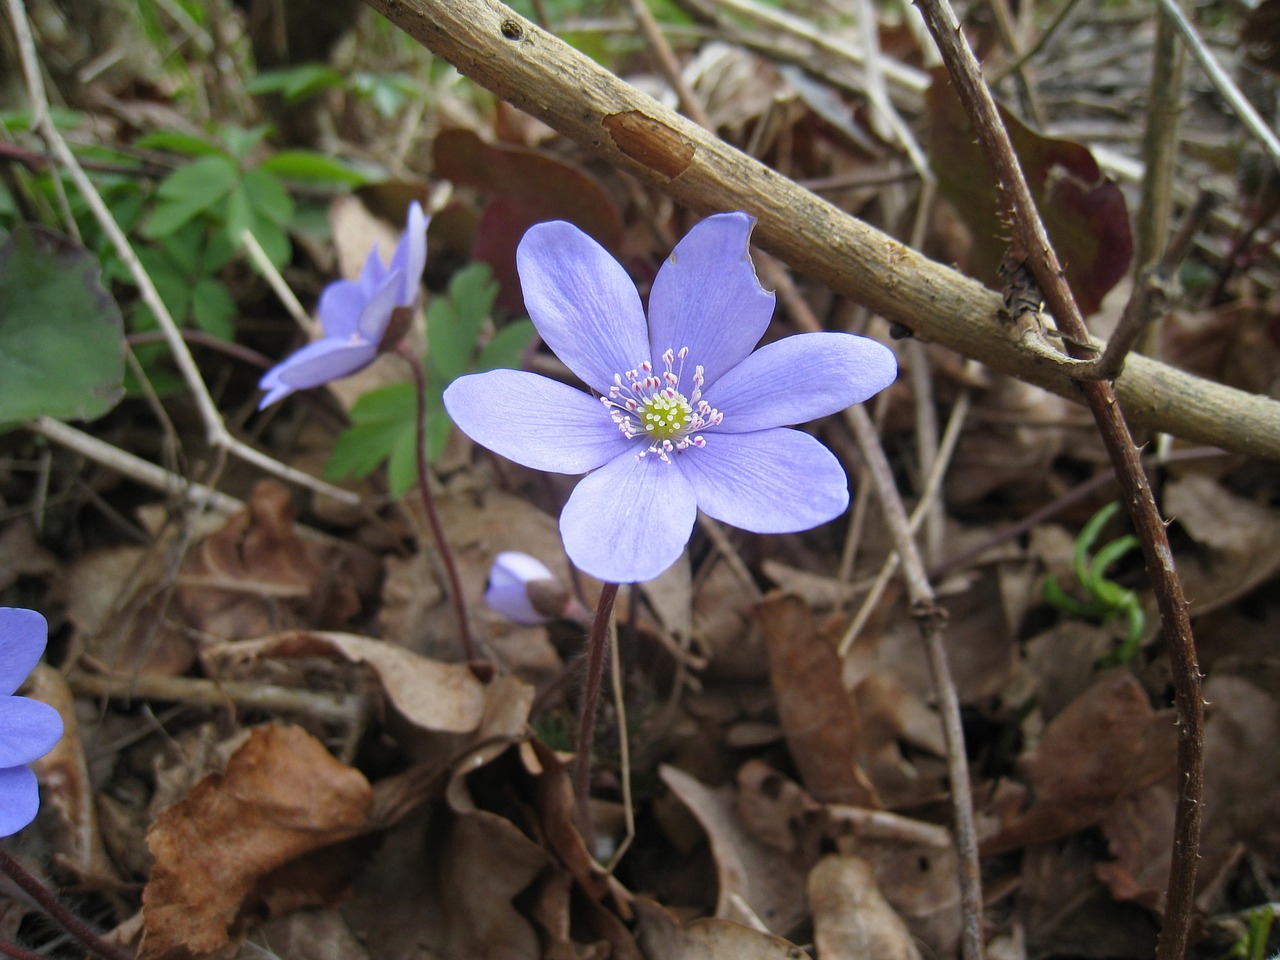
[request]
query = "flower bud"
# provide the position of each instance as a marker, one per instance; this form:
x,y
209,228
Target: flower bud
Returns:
x,y
523,590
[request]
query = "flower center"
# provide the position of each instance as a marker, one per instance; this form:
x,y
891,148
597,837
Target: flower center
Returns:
x,y
655,409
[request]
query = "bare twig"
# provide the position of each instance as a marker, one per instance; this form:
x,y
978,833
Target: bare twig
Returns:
x,y
1031,245
135,468
1221,81
931,619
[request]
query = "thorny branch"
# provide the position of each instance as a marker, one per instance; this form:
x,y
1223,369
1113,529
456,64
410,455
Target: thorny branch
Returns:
x,y
1030,244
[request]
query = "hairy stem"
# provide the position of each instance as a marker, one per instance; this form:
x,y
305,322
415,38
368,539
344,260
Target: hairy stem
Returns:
x,y
597,645
42,895
1030,243
429,505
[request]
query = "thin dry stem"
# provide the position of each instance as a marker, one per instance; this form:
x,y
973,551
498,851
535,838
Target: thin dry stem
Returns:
x,y
931,619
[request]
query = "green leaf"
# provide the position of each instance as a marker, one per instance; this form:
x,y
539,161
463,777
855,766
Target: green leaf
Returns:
x,y
314,168
61,337
175,142
296,83
213,308
268,197
190,191
240,141
380,422
454,321
507,347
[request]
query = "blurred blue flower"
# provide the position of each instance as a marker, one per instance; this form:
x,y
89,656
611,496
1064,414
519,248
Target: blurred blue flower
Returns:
x,y
28,728
685,416
355,316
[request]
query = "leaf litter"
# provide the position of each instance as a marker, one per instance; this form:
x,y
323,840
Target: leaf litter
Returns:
x,y
270,748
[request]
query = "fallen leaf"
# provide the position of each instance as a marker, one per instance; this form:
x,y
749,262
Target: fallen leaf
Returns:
x,y
770,883
282,797
662,938
1105,744
851,918
817,714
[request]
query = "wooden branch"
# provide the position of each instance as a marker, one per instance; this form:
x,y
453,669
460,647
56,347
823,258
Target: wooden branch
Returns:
x,y
545,77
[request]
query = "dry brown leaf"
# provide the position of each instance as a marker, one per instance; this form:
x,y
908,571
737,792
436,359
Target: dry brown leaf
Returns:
x,y
430,695
256,575
1106,743
773,808
851,918
222,852
662,938
1242,539
818,716
67,794
441,885
770,883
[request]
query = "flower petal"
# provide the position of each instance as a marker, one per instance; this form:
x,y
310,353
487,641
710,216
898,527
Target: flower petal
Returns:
x,y
801,378
23,634
315,364
630,520
771,481
19,799
706,297
410,257
583,303
376,314
339,308
28,730
534,421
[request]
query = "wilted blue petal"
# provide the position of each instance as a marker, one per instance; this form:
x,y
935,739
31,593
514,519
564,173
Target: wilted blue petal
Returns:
x,y
801,378
706,297
28,730
583,303
772,481
315,364
19,799
23,634
534,421
630,520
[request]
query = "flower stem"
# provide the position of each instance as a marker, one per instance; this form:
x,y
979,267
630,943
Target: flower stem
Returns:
x,y
42,895
429,504
597,644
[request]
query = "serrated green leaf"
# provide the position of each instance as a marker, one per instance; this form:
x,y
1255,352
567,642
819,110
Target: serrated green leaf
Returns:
x,y
506,349
380,420
268,197
213,308
238,214
61,336
454,321
189,191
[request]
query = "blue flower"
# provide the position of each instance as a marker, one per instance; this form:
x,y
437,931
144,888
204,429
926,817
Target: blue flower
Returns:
x,y
355,316
684,416
508,589
28,728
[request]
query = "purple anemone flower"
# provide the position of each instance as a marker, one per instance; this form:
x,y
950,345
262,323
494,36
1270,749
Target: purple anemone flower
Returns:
x,y
28,728
355,315
685,416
